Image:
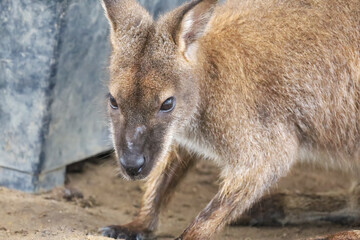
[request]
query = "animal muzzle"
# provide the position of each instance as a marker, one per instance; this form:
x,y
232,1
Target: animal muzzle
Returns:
x,y
133,164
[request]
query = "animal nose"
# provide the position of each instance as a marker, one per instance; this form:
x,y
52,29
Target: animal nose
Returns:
x,y
133,167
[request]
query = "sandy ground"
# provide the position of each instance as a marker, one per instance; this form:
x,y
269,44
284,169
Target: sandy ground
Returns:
x,y
95,197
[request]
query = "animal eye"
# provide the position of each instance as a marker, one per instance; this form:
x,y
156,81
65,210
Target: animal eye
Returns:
x,y
168,105
113,103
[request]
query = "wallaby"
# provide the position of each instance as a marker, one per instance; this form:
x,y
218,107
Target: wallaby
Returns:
x,y
251,85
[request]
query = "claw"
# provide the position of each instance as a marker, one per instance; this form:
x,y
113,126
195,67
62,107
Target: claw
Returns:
x,y
119,232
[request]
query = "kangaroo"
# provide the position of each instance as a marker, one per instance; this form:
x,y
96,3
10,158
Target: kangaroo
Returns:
x,y
254,86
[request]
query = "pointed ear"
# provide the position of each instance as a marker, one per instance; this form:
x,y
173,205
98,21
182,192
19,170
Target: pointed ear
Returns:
x,y
192,23
127,19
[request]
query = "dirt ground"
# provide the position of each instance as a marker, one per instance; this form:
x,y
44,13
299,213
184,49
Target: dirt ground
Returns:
x,y
95,197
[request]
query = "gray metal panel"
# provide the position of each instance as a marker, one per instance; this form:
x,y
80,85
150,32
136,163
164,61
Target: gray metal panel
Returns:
x,y
28,182
28,37
78,126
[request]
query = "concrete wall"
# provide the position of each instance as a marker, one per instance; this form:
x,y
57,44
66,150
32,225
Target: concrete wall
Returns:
x,y
53,58
29,33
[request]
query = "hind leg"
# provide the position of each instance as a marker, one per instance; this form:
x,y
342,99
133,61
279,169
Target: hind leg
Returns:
x,y
286,208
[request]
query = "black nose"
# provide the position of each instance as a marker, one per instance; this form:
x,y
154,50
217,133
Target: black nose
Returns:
x,y
133,167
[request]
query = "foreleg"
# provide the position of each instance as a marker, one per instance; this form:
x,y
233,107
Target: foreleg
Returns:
x,y
159,188
244,181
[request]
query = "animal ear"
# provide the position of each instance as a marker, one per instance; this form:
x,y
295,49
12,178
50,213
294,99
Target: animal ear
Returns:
x,y
193,25
128,20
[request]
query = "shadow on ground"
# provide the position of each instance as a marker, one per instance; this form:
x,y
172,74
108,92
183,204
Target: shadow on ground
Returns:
x,y
95,197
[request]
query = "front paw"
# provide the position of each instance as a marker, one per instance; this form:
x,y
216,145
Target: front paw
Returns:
x,y
122,232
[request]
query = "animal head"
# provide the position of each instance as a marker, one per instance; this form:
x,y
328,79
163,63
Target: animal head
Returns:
x,y
153,88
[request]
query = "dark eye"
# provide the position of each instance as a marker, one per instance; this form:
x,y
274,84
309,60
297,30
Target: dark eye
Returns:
x,y
113,103
168,105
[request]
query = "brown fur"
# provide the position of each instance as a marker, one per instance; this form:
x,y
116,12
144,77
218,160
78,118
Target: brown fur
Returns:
x,y
160,186
259,85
